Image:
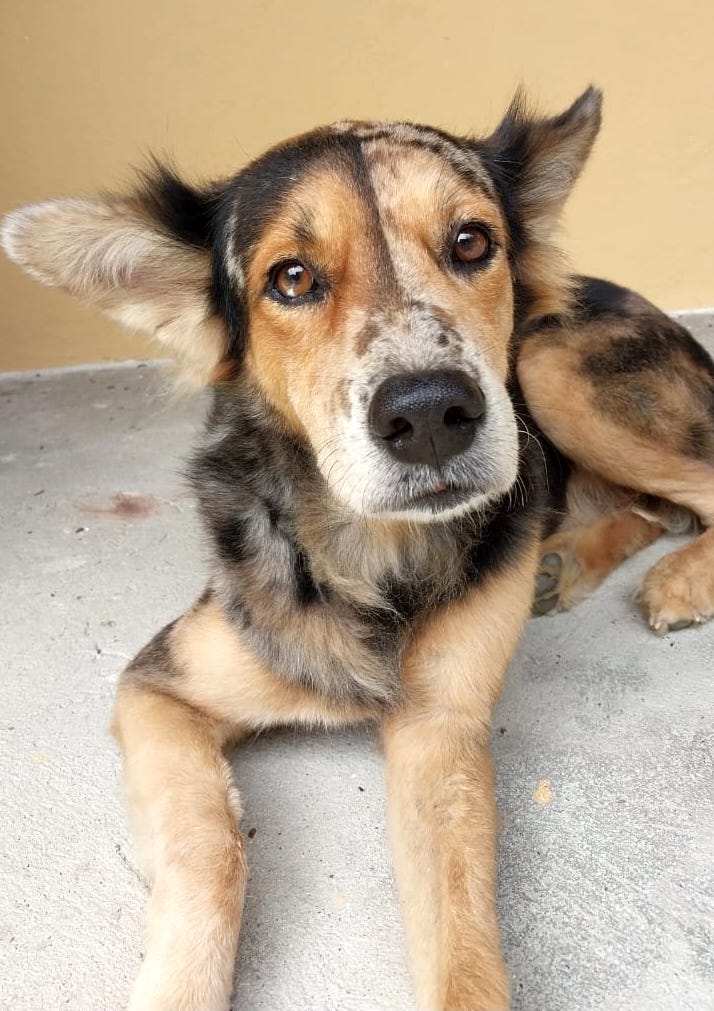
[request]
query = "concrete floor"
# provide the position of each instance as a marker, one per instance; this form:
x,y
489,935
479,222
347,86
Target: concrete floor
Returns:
x,y
606,877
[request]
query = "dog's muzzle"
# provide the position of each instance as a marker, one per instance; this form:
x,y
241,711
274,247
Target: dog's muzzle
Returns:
x,y
426,417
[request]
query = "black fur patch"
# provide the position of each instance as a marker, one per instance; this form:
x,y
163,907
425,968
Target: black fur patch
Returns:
x,y
198,216
652,340
532,505
232,537
308,591
155,660
505,156
186,212
700,440
628,355
596,297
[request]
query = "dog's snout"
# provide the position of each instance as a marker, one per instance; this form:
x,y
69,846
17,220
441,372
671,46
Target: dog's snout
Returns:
x,y
426,417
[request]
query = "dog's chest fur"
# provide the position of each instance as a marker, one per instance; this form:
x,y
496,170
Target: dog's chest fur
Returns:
x,y
329,600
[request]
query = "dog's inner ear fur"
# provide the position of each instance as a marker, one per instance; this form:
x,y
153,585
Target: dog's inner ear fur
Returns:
x,y
116,254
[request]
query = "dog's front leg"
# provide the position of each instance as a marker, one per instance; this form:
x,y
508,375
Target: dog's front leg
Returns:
x,y
443,831
185,815
442,812
194,689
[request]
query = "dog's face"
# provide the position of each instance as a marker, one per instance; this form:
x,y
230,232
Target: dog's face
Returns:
x,y
381,310
366,279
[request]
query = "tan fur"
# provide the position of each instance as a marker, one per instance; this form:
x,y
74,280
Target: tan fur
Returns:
x,y
678,590
561,401
676,412
586,555
418,200
218,674
547,272
185,816
295,357
442,814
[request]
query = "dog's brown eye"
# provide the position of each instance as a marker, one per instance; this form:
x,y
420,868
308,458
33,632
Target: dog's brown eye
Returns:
x,y
471,245
293,279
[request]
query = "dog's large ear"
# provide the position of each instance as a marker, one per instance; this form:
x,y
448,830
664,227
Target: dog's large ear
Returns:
x,y
145,260
535,162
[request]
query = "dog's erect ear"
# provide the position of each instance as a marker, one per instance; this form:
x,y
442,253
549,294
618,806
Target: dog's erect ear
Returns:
x,y
534,162
124,256
539,159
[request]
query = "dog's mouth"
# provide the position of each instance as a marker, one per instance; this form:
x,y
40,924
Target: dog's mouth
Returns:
x,y
441,496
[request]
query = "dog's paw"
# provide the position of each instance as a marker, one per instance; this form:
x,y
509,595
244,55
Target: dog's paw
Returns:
x,y
546,587
675,595
560,580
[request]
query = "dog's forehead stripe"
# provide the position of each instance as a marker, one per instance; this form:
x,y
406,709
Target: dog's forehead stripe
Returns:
x,y
384,266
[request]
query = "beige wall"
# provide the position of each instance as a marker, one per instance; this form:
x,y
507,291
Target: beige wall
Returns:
x,y
90,86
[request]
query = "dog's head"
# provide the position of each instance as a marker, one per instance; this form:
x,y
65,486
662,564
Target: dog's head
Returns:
x,y
366,278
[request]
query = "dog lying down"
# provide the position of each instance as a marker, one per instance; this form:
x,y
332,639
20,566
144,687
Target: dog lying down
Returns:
x,y
422,428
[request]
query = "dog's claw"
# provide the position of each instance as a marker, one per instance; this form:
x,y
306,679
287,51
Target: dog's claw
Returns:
x,y
546,582
676,626
661,627
543,606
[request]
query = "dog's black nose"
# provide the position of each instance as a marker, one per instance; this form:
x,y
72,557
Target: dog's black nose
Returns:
x,y
426,417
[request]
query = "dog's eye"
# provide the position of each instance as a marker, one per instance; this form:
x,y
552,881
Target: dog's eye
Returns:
x,y
293,280
472,244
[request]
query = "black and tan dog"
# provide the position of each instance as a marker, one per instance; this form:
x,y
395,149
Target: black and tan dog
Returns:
x,y
410,393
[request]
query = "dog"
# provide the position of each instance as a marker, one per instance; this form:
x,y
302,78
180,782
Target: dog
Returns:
x,y
422,428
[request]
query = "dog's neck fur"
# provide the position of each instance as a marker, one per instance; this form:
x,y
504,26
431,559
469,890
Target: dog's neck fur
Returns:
x,y
326,597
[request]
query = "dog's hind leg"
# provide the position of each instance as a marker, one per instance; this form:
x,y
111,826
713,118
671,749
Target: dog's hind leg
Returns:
x,y
631,399
191,692
602,526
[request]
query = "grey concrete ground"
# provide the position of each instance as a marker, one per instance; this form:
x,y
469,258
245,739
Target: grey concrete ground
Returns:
x,y
606,869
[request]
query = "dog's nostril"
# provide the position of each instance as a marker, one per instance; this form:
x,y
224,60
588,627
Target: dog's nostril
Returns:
x,y
400,429
457,417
